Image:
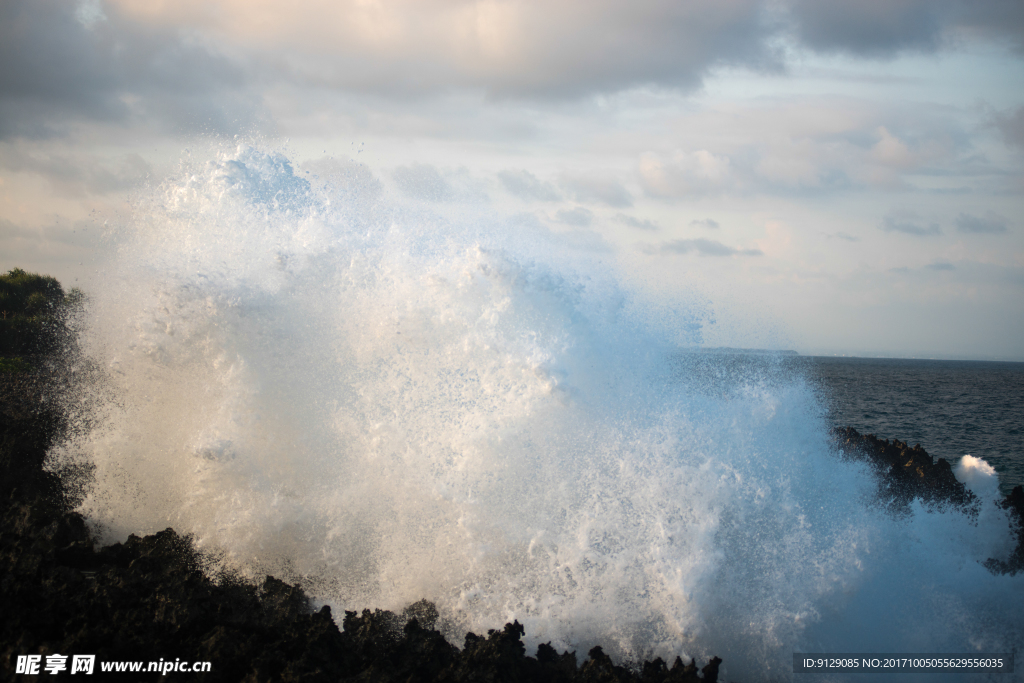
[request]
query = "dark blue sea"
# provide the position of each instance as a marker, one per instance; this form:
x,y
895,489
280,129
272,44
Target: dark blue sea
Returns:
x,y
952,408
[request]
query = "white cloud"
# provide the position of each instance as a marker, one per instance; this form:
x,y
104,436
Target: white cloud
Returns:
x,y
685,174
815,144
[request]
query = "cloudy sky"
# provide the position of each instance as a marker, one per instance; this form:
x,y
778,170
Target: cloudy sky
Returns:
x,y
834,176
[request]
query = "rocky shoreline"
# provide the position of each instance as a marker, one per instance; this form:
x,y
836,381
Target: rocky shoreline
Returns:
x,y
148,600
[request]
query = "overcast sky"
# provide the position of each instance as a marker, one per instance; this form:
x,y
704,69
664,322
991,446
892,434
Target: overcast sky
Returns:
x,y
834,176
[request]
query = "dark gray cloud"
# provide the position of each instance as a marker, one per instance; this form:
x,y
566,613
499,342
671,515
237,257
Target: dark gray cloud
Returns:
x,y
596,189
884,27
908,223
575,47
940,265
525,185
710,223
206,67
993,18
578,216
871,27
644,224
700,246
570,48
517,48
991,223
843,236
63,65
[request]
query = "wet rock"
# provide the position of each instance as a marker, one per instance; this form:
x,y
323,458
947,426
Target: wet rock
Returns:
x,y
906,473
600,669
658,672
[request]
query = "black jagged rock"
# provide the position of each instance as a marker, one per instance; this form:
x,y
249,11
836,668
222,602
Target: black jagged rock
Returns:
x,y
906,473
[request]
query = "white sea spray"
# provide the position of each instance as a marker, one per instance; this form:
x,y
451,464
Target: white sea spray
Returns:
x,y
386,403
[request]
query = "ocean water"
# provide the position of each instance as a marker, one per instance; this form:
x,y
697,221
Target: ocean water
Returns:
x,y
952,408
387,401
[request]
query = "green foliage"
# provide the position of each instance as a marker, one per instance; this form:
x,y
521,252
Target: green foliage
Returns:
x,y
33,314
10,366
23,293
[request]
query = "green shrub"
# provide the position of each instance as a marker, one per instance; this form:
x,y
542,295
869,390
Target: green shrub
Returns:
x,y
34,313
10,366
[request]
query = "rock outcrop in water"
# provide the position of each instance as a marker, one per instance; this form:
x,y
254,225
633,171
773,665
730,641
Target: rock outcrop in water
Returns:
x,y
906,473
147,600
